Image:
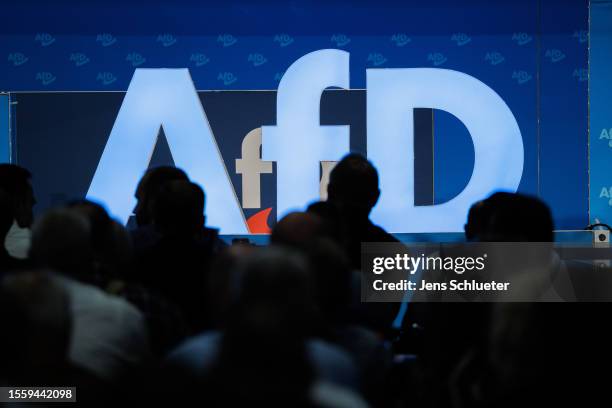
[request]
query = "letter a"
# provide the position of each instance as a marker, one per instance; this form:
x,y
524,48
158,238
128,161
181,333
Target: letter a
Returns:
x,y
166,98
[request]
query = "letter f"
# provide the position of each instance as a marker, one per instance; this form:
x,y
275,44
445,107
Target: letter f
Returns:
x,y
298,143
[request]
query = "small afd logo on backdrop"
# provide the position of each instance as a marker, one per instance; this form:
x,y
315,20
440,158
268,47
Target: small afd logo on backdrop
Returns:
x,y
606,136
283,39
400,39
135,59
340,40
79,59
581,74
44,39
257,59
461,39
437,59
376,59
554,55
522,38
106,39
227,78
199,59
581,35
106,78
606,194
45,78
227,40
17,58
521,77
494,58
166,40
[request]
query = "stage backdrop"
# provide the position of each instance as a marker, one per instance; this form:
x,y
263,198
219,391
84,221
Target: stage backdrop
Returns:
x,y
532,53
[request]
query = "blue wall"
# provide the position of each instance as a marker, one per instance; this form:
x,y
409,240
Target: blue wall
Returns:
x,y
601,112
533,53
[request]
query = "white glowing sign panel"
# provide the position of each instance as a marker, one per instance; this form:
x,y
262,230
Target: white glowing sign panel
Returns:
x,y
166,98
392,95
299,144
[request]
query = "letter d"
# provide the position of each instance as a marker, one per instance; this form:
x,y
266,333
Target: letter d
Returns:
x,y
392,96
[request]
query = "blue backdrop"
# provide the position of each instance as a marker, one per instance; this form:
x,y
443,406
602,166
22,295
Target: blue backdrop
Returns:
x,y
533,53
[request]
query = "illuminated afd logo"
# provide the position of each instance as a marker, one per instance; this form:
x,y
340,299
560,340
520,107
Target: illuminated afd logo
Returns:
x,y
164,98
303,149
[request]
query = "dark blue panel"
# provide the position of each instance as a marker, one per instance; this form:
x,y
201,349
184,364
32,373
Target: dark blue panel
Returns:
x,y
564,112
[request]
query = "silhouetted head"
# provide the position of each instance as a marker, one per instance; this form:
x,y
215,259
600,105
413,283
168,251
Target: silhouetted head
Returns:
x,y
334,223
149,187
15,181
518,218
179,209
277,277
263,359
354,183
331,275
478,219
61,241
99,222
297,229
6,215
222,281
110,241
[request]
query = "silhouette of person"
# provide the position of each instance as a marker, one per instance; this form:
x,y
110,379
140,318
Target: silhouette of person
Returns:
x,y
353,188
15,181
7,262
177,264
146,194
